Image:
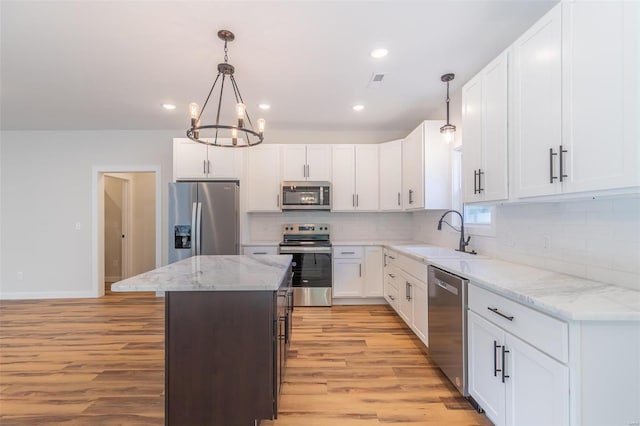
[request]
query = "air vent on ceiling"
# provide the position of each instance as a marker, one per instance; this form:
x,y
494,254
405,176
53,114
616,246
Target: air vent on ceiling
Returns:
x,y
376,79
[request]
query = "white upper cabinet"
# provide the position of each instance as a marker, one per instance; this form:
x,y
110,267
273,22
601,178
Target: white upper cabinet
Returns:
x,y
355,178
306,162
343,181
484,144
426,169
193,160
391,175
601,91
263,178
575,100
537,106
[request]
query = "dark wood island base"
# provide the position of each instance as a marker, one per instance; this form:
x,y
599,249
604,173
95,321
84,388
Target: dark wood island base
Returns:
x,y
225,353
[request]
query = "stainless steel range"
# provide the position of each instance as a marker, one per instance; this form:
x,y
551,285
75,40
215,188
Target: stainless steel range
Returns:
x,y
310,246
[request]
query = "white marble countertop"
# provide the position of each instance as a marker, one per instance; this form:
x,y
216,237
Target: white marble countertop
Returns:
x,y
213,273
560,295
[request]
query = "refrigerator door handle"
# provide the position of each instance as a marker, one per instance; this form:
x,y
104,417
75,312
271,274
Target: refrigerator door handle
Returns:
x,y
193,229
199,230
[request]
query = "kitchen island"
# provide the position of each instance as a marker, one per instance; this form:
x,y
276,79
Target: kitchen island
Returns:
x,y
227,328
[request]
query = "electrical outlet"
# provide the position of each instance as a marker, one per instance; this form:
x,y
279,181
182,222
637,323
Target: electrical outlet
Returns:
x,y
20,276
78,226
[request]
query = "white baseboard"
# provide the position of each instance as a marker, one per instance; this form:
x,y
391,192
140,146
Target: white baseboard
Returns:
x,y
359,301
24,295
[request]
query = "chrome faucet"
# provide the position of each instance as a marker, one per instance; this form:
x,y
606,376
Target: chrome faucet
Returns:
x,y
463,243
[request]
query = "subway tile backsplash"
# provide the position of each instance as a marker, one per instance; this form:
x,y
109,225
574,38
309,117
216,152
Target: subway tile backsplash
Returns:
x,y
594,239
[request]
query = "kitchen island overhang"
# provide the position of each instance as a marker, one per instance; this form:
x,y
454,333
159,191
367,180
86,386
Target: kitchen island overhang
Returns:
x,y
227,328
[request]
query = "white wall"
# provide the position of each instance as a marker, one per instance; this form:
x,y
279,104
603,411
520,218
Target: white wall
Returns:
x,y
46,189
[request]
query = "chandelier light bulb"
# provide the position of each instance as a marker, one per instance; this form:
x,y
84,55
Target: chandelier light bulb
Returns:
x,y
240,111
261,125
234,136
194,110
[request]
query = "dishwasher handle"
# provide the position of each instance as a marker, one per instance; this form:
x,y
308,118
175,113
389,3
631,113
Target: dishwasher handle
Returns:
x,y
446,286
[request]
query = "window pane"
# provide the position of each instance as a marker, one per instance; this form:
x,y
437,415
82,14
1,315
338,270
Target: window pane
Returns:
x,y
477,215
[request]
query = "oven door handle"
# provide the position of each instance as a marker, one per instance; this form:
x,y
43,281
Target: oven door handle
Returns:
x,y
295,250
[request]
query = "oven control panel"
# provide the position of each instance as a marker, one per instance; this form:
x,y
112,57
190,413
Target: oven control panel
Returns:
x,y
305,228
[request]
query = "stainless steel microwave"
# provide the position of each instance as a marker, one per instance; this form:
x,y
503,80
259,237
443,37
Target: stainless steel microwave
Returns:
x,y
306,195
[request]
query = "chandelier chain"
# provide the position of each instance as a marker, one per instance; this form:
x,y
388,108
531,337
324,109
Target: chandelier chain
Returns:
x,y
226,53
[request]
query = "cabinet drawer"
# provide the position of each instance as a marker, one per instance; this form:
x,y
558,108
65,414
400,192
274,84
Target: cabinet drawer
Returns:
x,y
390,258
546,333
347,252
413,267
391,276
391,294
258,250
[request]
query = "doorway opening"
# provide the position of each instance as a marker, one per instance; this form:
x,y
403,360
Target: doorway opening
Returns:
x,y
126,224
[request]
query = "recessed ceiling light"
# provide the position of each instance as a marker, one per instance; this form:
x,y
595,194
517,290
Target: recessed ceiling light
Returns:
x,y
169,107
358,107
379,53
264,106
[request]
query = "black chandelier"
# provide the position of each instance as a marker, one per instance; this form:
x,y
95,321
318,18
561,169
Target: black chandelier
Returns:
x,y
448,129
221,134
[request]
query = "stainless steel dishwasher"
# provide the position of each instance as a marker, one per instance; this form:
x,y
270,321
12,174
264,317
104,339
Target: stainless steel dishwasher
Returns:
x,y
447,325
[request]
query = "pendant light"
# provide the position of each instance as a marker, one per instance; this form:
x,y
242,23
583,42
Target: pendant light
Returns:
x,y
236,135
448,129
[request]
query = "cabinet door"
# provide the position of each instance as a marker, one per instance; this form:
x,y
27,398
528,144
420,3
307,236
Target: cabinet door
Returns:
x,y
413,169
420,316
391,175
366,177
494,173
537,389
263,174
319,162
484,344
600,116
189,159
347,278
391,294
294,162
343,197
537,106
471,138
224,162
405,305
373,273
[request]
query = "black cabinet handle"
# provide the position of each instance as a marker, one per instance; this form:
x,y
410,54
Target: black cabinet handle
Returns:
x,y
561,162
411,196
391,275
504,366
495,359
480,188
496,311
551,176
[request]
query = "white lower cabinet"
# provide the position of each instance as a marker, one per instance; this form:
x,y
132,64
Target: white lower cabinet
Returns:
x,y
513,381
391,293
411,300
357,272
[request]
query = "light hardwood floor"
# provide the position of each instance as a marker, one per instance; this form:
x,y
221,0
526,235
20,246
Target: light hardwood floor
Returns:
x,y
101,362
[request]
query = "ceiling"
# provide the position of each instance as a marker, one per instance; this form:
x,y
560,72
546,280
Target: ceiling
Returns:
x,y
110,65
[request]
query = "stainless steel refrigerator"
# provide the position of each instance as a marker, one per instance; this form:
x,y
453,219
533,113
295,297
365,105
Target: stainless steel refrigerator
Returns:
x,y
203,219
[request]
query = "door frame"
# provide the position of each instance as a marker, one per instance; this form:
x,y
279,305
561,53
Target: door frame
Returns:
x,y
97,218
